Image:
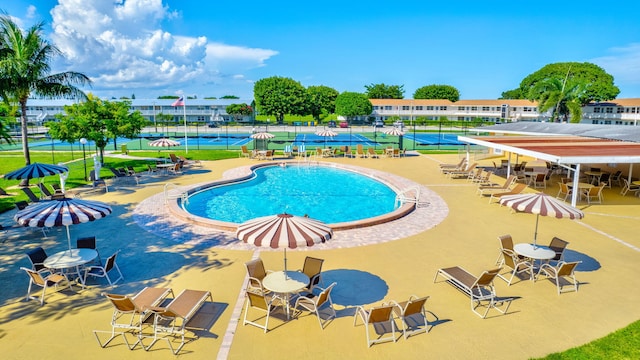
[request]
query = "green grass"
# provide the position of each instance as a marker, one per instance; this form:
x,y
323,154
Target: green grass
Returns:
x,y
621,344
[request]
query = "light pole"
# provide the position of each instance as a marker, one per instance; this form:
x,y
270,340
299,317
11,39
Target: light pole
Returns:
x,y
155,124
83,141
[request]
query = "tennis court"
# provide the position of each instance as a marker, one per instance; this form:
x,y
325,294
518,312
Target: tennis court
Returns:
x,y
433,139
338,140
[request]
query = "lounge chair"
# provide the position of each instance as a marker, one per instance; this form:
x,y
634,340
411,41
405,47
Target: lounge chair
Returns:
x,y
3,192
44,192
57,190
463,174
173,319
313,268
454,166
174,158
20,205
517,189
461,167
475,176
487,189
314,303
371,153
479,289
30,194
287,152
129,313
302,151
263,303
381,319
360,151
484,179
97,184
103,270
51,280
256,273
186,162
563,274
517,265
413,315
558,245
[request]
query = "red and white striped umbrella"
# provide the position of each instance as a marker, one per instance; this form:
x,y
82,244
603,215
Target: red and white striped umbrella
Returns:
x,y
394,132
262,136
61,212
541,204
163,143
284,230
326,133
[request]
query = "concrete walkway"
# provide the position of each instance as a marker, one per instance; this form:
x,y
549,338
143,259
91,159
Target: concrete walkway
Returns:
x,y
539,321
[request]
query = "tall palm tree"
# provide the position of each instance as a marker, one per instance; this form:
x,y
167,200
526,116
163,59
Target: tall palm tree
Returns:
x,y
25,70
562,96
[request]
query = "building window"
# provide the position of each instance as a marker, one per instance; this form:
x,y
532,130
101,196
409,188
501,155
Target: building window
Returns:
x,y
474,108
609,110
443,108
405,108
485,108
461,108
387,107
430,108
619,110
597,110
375,107
419,108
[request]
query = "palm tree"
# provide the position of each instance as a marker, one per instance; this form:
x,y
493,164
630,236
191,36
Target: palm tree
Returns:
x,y
562,96
25,70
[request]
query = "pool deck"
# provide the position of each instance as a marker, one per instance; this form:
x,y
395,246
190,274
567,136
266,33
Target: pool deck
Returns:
x,y
389,262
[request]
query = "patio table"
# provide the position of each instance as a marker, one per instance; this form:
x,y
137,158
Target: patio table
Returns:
x,y
71,259
534,252
288,284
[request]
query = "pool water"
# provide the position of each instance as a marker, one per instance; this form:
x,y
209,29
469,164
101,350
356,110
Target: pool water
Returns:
x,y
327,194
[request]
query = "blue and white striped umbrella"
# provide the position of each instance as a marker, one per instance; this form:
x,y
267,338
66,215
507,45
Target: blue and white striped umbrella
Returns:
x,y
61,212
35,170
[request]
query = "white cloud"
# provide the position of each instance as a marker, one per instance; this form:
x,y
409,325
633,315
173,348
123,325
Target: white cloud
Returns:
x,y
121,45
623,64
31,12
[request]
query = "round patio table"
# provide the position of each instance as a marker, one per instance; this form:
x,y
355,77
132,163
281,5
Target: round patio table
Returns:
x,y
534,252
288,284
71,259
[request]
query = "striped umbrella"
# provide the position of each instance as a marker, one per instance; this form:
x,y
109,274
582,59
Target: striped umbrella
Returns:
x,y
35,170
396,132
325,134
61,212
262,136
541,204
163,143
284,230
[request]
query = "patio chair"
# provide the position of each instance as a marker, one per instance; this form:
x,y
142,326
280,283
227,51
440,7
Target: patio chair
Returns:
x,y
616,178
371,153
244,152
516,264
129,314
629,187
540,180
604,178
172,320
89,242
381,319
174,158
558,245
517,189
37,256
263,303
594,195
314,303
51,280
564,192
563,274
175,170
32,197
413,315
312,268
103,270
480,289
256,273
506,243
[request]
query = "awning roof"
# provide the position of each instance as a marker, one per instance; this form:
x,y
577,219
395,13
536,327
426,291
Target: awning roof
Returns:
x,y
562,149
611,132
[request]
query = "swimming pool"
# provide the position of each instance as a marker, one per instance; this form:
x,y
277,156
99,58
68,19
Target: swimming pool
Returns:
x,y
324,193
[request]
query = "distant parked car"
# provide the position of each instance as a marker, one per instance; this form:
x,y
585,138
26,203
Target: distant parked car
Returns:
x,y
398,124
378,124
344,124
212,125
332,124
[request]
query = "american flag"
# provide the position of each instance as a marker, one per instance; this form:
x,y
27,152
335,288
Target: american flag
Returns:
x,y
179,102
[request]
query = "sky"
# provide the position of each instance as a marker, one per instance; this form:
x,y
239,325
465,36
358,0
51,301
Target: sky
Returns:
x,y
150,48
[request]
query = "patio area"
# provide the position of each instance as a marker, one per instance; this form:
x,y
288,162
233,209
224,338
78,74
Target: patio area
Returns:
x,y
539,321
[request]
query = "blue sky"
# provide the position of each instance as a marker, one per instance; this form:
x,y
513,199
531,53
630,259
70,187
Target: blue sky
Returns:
x,y
211,48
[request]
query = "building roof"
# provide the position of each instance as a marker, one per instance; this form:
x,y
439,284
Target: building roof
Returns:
x,y
563,143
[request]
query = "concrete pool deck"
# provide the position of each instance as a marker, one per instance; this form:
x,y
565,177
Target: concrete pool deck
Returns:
x,y
539,321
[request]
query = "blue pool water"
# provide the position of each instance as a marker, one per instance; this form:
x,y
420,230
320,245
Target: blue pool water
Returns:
x,y
326,194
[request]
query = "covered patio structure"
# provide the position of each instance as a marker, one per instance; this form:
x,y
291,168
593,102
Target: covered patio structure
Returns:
x,y
567,151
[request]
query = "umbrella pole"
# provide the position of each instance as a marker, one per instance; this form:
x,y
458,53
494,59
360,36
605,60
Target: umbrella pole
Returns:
x,y
285,263
535,233
69,239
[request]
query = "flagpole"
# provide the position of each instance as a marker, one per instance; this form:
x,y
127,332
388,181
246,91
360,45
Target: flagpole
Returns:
x,y
184,111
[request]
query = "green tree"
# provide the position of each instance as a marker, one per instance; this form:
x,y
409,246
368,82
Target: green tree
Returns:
x,y
229,97
512,94
382,91
351,104
279,96
437,92
239,110
598,85
7,115
25,59
121,122
322,101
